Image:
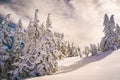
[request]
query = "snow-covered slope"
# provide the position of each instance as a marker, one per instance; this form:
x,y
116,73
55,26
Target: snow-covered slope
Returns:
x,y
105,66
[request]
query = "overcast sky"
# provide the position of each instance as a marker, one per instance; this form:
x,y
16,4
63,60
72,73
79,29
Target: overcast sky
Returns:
x,y
80,20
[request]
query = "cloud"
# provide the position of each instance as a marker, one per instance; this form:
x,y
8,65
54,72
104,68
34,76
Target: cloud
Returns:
x,y
5,1
80,20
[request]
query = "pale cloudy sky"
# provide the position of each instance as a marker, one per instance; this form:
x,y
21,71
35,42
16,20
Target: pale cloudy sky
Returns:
x,y
80,20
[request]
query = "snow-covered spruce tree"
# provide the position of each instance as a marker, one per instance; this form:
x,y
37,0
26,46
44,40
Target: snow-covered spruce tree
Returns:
x,y
73,51
69,50
98,48
18,37
117,31
5,43
40,55
108,41
86,51
79,52
93,49
60,44
47,38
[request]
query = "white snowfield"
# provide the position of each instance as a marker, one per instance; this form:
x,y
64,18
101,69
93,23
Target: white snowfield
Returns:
x,y
105,66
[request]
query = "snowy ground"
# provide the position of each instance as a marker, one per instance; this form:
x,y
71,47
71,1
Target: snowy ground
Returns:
x,y
104,66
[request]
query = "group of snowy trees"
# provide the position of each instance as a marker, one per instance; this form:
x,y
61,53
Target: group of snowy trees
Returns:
x,y
39,54
111,40
92,50
72,50
31,53
67,48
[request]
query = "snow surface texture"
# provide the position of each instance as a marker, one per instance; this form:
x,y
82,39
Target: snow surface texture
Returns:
x,y
104,66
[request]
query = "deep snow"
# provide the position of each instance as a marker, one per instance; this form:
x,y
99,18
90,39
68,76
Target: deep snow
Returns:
x,y
104,66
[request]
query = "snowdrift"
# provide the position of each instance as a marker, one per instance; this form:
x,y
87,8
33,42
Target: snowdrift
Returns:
x,y
104,66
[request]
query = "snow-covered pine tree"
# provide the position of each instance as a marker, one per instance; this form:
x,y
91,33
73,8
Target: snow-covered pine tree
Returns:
x,y
60,44
117,31
48,22
5,43
86,51
57,45
98,47
73,51
93,49
108,41
18,37
79,52
69,51
63,48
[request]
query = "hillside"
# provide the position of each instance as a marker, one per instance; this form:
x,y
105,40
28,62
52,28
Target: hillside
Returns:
x,y
104,66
